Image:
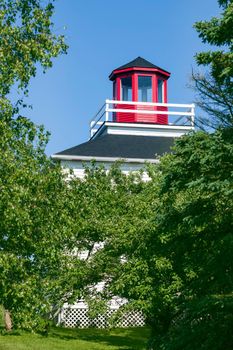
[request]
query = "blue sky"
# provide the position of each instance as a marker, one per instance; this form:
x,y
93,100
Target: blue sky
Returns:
x,y
103,35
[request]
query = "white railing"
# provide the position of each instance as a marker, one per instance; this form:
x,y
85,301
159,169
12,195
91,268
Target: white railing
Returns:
x,y
178,114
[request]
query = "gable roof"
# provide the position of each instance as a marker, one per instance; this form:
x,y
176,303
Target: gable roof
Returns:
x,y
121,147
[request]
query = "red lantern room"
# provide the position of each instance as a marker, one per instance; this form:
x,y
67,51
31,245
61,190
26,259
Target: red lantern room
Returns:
x,y
140,81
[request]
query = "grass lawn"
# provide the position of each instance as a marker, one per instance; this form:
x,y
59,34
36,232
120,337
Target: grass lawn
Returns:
x,y
77,339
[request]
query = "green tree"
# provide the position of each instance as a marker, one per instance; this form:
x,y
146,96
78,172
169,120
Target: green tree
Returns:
x,y
168,242
112,212
133,261
35,202
215,87
36,226
195,222
26,40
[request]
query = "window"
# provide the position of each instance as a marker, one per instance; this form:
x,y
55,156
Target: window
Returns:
x,y
126,89
144,89
160,91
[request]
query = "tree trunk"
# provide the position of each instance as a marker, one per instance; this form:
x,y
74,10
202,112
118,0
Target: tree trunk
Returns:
x,y
7,320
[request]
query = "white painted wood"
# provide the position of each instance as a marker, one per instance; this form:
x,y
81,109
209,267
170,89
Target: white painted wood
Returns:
x,y
186,111
149,126
103,159
155,104
107,111
143,129
193,115
138,132
79,169
142,111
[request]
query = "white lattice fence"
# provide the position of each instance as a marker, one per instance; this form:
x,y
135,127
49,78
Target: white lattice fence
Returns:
x,y
77,317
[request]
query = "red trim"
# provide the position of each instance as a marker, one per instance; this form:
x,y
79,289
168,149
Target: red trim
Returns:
x,y
139,69
156,89
118,79
117,96
152,81
165,91
154,97
134,87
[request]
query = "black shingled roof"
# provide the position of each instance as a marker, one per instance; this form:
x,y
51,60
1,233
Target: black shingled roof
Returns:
x,y
139,62
122,146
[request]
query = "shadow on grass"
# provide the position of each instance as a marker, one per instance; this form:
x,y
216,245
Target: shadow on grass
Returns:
x,y
126,339
13,332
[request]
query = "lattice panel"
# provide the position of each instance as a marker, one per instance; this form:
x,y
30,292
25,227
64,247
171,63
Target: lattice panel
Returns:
x,y
132,319
74,317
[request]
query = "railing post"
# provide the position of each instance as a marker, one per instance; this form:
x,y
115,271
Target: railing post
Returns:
x,y
192,115
92,124
106,110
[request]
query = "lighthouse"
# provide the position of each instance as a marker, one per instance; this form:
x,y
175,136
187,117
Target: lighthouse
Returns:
x,y
136,125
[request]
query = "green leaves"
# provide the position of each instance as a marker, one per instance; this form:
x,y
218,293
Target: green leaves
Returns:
x,y
195,214
26,40
35,225
168,242
215,90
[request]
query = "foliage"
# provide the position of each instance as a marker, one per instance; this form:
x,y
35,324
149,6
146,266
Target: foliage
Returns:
x,y
115,216
215,89
195,220
35,201
168,242
26,40
205,324
105,203
35,227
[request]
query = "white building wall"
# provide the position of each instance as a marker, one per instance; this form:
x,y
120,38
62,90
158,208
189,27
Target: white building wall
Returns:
x,y
79,171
